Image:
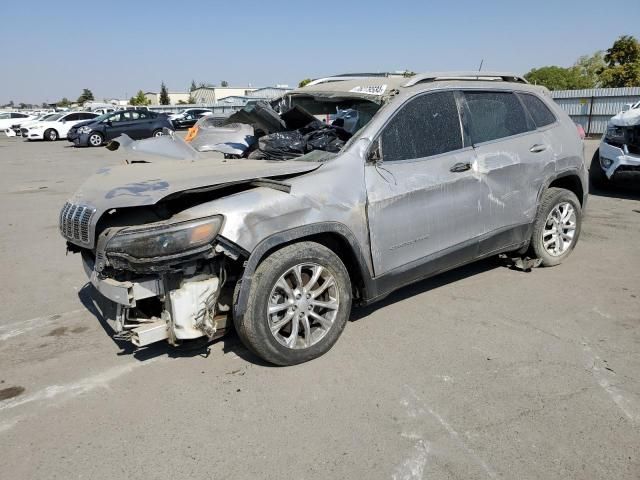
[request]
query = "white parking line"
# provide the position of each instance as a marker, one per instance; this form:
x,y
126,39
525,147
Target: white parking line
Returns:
x,y
18,328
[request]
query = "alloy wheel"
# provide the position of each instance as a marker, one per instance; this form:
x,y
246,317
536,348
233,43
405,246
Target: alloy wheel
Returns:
x,y
559,230
303,306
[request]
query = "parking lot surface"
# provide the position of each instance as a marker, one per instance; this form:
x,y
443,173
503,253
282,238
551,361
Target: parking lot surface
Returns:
x,y
483,372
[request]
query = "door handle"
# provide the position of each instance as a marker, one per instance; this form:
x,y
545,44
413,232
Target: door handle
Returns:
x,y
537,148
460,167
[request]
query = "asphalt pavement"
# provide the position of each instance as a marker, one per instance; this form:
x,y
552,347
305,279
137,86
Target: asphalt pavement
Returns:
x,y
483,372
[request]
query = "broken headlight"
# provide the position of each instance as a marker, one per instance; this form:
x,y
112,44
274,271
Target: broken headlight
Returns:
x,y
84,129
150,241
615,134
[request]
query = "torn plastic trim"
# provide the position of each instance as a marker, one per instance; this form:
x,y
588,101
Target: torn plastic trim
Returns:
x,y
168,145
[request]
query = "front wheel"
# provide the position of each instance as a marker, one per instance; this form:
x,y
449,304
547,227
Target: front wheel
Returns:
x,y
95,139
299,303
51,135
158,133
557,226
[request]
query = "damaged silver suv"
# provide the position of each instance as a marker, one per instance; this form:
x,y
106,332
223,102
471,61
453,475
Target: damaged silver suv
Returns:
x,y
336,194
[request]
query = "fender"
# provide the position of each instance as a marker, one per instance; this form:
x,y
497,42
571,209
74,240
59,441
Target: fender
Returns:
x,y
287,236
565,173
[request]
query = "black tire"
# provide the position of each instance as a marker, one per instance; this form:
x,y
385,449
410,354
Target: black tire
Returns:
x,y
597,177
95,143
253,329
551,198
158,132
51,135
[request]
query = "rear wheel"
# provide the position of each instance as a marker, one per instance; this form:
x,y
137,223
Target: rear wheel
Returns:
x,y
95,139
51,135
299,303
597,177
557,226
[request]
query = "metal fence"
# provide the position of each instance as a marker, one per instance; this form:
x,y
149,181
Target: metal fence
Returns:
x,y
594,107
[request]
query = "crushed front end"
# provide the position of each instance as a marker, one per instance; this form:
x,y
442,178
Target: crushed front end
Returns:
x,y
170,280
620,147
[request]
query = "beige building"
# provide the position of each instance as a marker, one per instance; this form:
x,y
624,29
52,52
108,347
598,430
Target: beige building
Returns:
x,y
210,95
174,97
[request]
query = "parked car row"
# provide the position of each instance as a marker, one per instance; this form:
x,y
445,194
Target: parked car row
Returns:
x,y
85,128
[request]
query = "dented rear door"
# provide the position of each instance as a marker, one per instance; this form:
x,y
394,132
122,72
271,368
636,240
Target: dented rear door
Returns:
x,y
511,156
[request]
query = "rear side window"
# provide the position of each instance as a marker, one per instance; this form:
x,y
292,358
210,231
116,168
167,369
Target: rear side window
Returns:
x,y
540,113
427,125
494,115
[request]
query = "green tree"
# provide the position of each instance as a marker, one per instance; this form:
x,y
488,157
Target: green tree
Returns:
x,y
622,63
44,105
590,67
164,95
65,102
558,78
302,83
193,86
85,96
224,83
192,100
139,99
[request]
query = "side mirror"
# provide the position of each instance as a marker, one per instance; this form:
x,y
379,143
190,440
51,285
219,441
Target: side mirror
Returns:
x,y
64,121
375,154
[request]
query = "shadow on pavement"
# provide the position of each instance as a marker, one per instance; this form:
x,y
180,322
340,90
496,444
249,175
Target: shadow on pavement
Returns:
x,y
104,311
430,284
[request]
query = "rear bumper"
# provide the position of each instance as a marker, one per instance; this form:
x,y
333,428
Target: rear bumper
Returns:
x,y
620,159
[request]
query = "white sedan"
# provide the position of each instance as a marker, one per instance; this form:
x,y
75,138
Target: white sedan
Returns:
x,y
14,129
12,118
55,127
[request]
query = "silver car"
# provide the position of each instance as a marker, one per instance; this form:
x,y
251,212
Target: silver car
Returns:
x,y
438,170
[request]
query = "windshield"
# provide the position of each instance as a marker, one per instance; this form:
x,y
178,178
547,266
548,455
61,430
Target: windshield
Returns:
x,y
289,128
4,115
102,117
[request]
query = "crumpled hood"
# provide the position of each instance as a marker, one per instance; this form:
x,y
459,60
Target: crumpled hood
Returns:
x,y
140,184
629,118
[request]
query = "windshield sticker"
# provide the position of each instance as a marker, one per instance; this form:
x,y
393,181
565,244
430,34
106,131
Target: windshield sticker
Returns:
x,y
370,89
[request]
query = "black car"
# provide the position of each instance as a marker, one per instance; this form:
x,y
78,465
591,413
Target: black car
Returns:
x,y
137,124
188,118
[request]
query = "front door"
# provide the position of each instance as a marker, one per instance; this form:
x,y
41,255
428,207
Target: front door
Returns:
x,y
423,197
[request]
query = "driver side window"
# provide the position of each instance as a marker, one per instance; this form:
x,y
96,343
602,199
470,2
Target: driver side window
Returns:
x,y
425,126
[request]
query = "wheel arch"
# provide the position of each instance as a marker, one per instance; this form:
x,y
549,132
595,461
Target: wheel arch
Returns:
x,y
335,236
569,180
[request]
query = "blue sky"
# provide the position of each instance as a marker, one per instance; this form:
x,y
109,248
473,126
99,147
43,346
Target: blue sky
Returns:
x,y
51,50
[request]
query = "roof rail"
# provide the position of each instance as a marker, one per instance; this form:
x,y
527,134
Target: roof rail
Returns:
x,y
353,76
318,81
467,75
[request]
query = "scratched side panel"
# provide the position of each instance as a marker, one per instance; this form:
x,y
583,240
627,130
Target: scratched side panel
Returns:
x,y
419,208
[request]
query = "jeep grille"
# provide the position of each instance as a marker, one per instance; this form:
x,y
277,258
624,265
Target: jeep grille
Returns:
x,y
74,222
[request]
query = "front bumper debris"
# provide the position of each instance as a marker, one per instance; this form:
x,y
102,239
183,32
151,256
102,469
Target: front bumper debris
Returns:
x,y
189,311
620,159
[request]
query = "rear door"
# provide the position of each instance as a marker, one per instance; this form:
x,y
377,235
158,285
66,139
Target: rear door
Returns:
x,y
422,195
511,156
